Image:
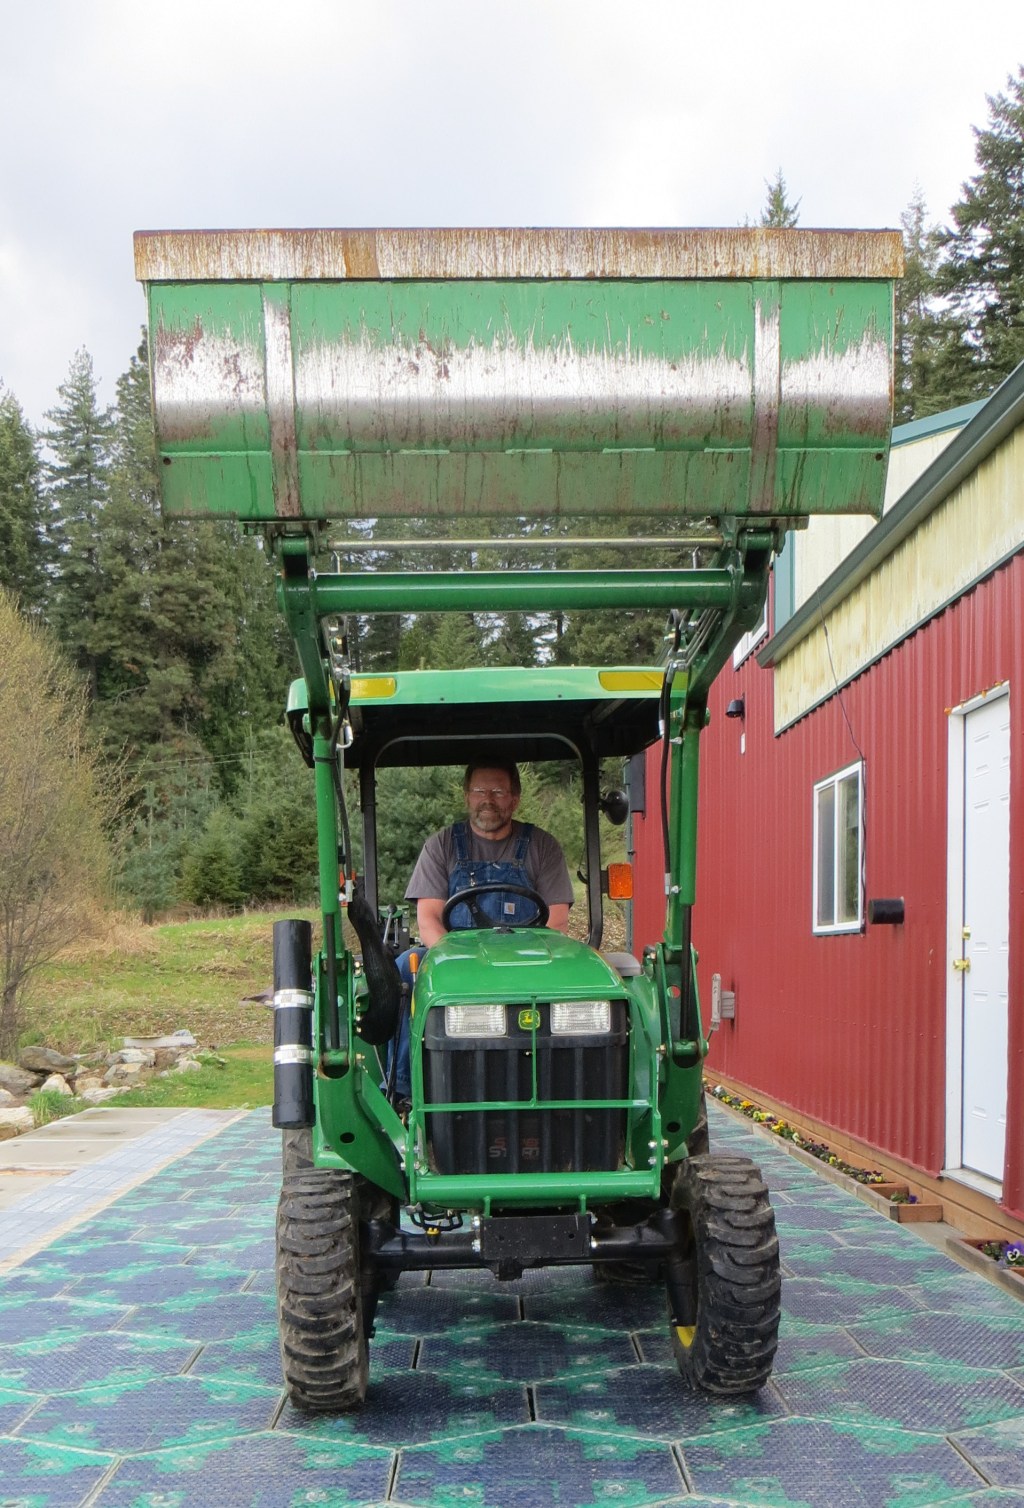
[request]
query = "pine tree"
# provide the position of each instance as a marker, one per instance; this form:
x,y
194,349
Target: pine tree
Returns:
x,y
922,331
982,273
778,213
129,553
22,535
78,479
189,640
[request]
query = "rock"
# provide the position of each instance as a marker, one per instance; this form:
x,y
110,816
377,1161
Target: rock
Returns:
x,y
17,1080
142,1055
98,1095
186,1065
6,1097
57,1084
14,1122
123,1073
180,1040
46,1060
87,1082
166,1057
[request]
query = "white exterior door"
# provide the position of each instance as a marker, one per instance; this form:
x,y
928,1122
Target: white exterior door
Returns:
x,y
983,963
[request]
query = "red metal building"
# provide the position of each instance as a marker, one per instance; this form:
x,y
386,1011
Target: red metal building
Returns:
x,y
879,758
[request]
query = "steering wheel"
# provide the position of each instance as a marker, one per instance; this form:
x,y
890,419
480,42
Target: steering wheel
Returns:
x,y
480,918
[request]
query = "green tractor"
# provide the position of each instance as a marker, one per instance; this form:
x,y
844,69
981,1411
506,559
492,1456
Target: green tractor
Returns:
x,y
707,391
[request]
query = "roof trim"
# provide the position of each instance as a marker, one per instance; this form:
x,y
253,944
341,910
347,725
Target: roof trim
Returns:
x,y
998,416
936,424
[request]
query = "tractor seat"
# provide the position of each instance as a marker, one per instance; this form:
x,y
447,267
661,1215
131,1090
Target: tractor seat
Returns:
x,y
627,966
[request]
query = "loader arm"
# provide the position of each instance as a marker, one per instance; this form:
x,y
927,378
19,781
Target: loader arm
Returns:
x,y
730,381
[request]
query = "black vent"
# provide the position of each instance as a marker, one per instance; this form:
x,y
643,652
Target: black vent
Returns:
x,y
534,1139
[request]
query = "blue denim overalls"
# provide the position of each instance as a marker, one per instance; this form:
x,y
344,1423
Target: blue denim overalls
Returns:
x,y
498,907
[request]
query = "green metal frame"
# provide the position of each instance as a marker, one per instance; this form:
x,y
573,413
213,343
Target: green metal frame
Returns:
x,y
714,606
740,377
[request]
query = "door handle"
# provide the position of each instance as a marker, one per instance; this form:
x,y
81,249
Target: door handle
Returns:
x,y
962,964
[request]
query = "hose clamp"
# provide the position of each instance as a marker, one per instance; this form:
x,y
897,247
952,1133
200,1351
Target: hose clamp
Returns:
x,y
301,1000
292,1053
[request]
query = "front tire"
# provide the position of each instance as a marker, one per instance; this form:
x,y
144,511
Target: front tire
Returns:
x,y
319,1291
296,1151
724,1280
698,1143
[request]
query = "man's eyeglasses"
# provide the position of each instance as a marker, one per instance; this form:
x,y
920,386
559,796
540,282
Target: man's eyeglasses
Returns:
x,y
495,792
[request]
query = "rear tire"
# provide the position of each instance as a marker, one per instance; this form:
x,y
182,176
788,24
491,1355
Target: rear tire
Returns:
x,y
725,1282
319,1291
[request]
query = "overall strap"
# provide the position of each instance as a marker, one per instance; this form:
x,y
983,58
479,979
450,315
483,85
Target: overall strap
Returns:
x,y
460,845
523,845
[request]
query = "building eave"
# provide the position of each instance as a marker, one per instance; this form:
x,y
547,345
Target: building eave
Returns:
x,y
998,417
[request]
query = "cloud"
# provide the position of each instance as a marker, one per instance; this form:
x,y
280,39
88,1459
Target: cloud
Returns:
x,y
216,113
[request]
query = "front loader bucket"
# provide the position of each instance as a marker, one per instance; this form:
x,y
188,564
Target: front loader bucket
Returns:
x,y
301,376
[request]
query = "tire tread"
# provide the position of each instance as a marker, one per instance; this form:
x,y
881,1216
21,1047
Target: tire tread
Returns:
x,y
738,1280
320,1313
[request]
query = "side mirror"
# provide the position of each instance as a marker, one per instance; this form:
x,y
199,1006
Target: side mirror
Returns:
x,y
615,806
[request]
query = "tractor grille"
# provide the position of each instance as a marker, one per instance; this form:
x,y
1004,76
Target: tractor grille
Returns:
x,y
538,1137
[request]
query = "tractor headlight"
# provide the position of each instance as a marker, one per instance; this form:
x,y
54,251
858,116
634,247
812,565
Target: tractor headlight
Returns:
x,y
475,1020
580,1018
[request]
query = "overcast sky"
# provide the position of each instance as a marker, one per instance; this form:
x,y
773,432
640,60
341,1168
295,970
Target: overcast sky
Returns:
x,y
118,115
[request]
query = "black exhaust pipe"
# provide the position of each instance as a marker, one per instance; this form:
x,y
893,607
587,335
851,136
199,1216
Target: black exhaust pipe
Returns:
x,y
293,1026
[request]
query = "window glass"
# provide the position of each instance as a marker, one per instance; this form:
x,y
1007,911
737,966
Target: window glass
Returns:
x,y
848,832
826,853
838,850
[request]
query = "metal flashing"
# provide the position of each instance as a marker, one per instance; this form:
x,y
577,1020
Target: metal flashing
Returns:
x,y
936,424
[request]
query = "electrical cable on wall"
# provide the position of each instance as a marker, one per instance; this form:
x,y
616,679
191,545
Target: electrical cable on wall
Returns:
x,y
853,740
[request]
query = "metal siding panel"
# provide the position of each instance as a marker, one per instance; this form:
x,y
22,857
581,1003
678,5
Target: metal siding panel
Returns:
x,y
980,522
851,1029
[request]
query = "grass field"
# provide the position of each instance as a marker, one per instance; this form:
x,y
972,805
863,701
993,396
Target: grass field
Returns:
x,y
132,980
137,981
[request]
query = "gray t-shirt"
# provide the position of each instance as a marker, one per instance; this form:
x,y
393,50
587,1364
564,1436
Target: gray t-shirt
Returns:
x,y
545,863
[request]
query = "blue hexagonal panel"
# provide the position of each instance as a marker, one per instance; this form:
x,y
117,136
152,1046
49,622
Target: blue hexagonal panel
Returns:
x,y
140,1366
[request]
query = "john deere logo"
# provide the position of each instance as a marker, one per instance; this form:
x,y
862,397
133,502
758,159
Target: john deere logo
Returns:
x,y
529,1020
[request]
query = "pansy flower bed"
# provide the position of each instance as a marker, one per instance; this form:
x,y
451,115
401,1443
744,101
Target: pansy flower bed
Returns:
x,y
817,1149
998,1258
1006,1253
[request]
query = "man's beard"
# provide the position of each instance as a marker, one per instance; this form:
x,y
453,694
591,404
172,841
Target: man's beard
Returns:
x,y
489,819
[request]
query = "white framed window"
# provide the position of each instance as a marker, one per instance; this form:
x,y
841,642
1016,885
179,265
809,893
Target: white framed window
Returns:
x,y
839,851
752,637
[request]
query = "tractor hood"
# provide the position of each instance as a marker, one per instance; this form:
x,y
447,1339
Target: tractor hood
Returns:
x,y
526,964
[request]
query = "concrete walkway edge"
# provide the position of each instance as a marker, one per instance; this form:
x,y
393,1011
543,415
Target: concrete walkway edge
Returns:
x,y
74,1194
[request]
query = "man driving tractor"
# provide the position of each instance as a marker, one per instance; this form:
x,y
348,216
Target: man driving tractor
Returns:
x,y
482,854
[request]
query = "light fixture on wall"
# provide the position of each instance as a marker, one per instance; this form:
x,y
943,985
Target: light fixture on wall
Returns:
x,y
887,912
736,708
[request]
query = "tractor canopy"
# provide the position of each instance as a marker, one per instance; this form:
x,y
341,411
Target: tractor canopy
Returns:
x,y
432,717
